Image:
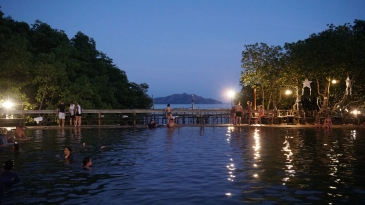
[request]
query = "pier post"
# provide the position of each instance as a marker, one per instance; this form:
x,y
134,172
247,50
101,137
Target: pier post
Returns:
x,y
134,121
99,115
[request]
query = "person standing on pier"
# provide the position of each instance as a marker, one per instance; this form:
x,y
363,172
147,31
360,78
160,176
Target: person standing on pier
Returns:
x,y
249,112
261,113
72,113
238,110
168,112
61,114
233,115
78,114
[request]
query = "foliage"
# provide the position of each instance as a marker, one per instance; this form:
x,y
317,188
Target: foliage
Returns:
x,y
336,53
41,66
263,67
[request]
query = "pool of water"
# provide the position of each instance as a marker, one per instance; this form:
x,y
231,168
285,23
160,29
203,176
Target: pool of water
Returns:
x,y
190,165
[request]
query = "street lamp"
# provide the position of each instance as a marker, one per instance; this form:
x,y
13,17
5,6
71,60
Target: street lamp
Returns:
x,y
8,105
231,95
289,92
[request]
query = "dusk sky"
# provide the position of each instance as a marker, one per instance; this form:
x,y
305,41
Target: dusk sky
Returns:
x,y
185,46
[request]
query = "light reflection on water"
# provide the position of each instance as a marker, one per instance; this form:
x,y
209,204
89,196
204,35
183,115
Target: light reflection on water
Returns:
x,y
234,165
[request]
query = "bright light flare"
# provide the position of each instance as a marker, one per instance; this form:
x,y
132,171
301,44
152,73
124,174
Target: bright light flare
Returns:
x,y
230,93
288,92
356,112
334,81
8,104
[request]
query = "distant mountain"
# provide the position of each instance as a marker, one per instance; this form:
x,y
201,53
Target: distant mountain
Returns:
x,y
184,99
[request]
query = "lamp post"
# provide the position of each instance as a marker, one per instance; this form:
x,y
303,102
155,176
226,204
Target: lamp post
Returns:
x,y
192,102
8,105
289,92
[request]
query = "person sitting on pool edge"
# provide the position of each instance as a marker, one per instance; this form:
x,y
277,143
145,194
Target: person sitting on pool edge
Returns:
x,y
152,124
327,122
87,163
171,123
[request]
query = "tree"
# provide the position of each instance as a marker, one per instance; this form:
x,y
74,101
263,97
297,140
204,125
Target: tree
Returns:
x,y
332,54
40,66
262,69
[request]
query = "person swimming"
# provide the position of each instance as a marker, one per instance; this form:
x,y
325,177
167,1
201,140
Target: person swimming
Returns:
x,y
20,133
87,163
67,153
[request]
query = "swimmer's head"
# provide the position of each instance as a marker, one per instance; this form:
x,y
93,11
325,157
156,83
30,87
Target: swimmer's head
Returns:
x,y
86,161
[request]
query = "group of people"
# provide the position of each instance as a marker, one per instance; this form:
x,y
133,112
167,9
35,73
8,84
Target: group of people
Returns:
x,y
8,178
68,157
327,123
237,112
75,111
170,119
10,136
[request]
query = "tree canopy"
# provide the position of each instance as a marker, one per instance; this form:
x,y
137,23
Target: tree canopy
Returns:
x,y
41,66
337,53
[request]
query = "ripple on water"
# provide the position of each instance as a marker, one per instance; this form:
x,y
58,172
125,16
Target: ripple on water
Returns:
x,y
192,166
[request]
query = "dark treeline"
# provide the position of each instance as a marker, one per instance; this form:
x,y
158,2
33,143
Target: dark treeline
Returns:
x,y
41,66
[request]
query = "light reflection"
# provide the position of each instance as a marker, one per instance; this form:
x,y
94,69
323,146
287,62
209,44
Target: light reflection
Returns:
x,y
353,135
289,171
228,194
230,166
257,145
255,175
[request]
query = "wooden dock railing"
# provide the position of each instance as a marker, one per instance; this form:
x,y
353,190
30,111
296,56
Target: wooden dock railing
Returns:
x,y
132,116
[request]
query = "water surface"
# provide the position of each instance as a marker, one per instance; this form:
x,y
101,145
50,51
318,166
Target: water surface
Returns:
x,y
190,165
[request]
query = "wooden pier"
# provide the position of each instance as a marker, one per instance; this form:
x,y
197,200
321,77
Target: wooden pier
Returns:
x,y
116,117
133,117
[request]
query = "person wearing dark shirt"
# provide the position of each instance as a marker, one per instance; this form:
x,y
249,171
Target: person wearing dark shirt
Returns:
x,y
61,113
